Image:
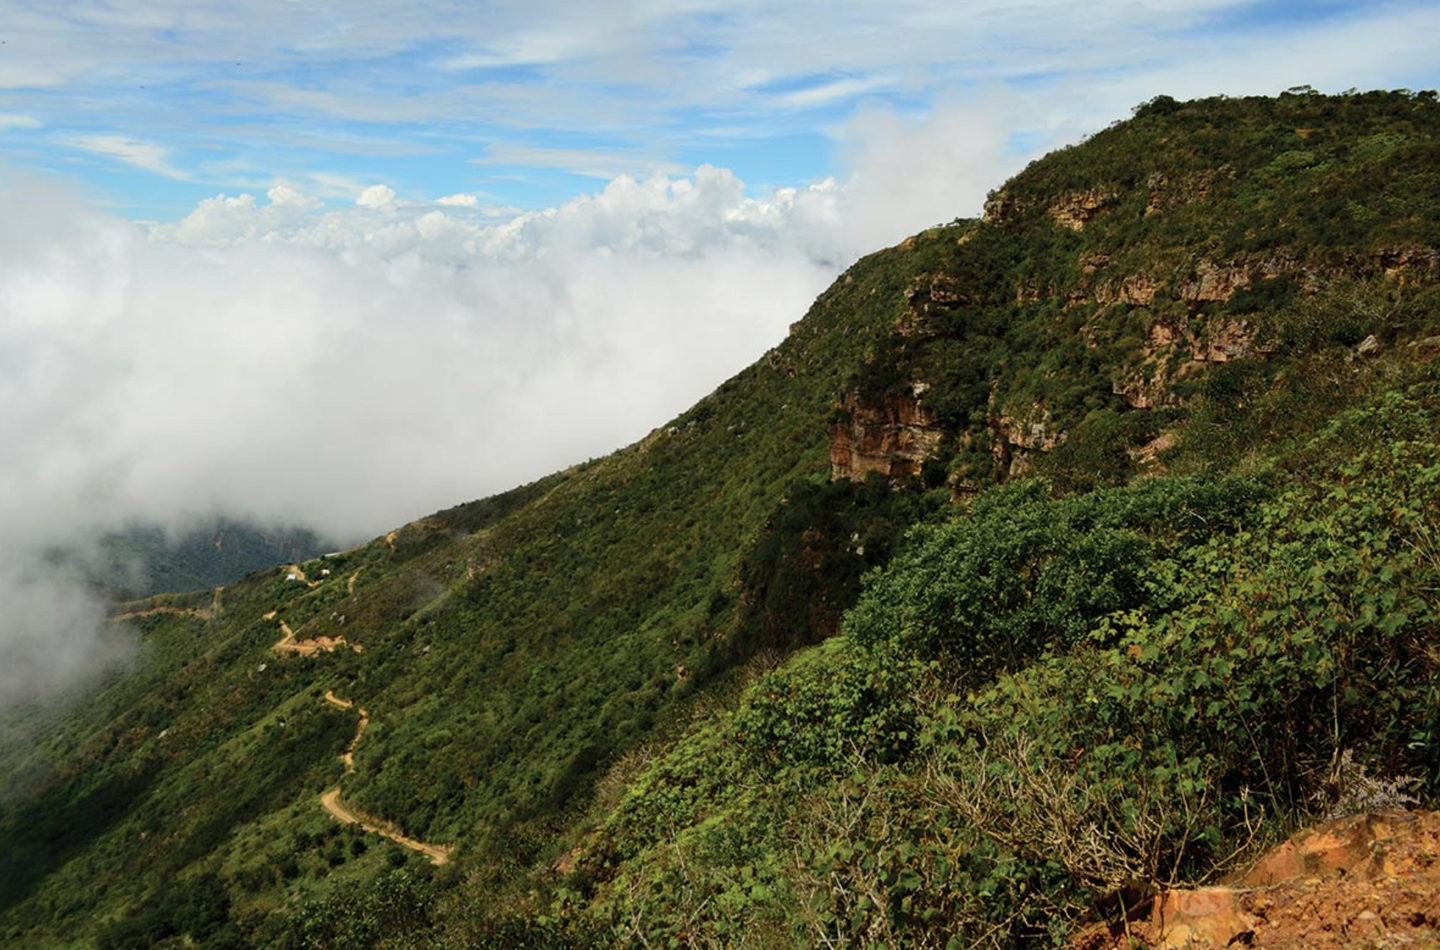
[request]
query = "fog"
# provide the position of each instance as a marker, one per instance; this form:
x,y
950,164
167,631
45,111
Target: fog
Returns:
x,y
269,359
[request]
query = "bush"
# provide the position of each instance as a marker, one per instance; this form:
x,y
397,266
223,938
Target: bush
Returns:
x,y
1025,572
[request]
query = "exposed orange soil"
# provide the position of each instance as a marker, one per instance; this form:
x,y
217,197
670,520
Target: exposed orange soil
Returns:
x,y
288,644
334,700
439,854
350,585
348,756
1367,881
294,569
390,540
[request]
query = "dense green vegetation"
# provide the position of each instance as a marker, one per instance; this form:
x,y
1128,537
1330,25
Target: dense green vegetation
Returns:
x,y
697,694
1187,659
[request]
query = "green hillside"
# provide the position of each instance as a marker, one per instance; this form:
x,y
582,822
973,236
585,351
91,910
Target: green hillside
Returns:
x,y
1052,559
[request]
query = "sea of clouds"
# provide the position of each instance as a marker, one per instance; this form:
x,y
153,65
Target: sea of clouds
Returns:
x,y
273,359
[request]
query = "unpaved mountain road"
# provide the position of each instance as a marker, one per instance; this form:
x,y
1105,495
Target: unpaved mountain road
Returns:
x,y
439,854
288,644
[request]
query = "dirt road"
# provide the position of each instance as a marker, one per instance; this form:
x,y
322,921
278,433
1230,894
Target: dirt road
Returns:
x,y
348,756
199,612
288,644
439,854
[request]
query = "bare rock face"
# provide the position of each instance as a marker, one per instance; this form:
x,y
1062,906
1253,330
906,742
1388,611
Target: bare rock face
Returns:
x,y
1231,340
1000,207
1202,917
894,437
1072,209
1075,208
1149,386
1014,438
1147,456
1191,329
1410,265
1165,193
1214,282
1173,352
1136,291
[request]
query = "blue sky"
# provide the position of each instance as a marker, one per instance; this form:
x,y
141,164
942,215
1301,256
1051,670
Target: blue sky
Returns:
x,y
154,105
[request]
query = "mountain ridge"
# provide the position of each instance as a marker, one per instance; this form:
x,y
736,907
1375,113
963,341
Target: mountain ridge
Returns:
x,y
620,689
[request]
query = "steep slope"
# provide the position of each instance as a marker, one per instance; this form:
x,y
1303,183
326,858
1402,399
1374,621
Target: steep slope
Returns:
x,y
1181,264
560,681
506,649
1053,709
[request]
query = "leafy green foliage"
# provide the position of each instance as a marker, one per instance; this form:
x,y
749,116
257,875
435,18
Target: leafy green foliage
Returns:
x,y
393,910
903,794
1025,573
804,570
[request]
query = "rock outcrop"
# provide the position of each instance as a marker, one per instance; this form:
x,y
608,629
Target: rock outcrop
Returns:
x,y
1074,209
1071,209
928,297
1013,438
1165,193
1410,264
894,437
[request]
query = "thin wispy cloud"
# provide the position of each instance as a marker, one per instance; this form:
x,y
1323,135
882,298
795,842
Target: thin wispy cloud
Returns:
x,y
354,89
589,163
144,155
838,90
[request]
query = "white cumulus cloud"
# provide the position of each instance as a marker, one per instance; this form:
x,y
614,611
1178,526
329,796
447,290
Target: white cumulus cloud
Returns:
x,y
379,197
272,359
284,196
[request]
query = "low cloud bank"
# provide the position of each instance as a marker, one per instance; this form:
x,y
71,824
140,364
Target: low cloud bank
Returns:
x,y
350,370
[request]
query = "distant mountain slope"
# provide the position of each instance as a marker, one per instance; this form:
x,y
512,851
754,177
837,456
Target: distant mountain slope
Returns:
x,y
566,684
144,561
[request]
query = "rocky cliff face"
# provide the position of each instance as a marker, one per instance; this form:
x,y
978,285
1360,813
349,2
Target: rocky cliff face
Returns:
x,y
1071,209
1190,333
1193,326
894,437
928,297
